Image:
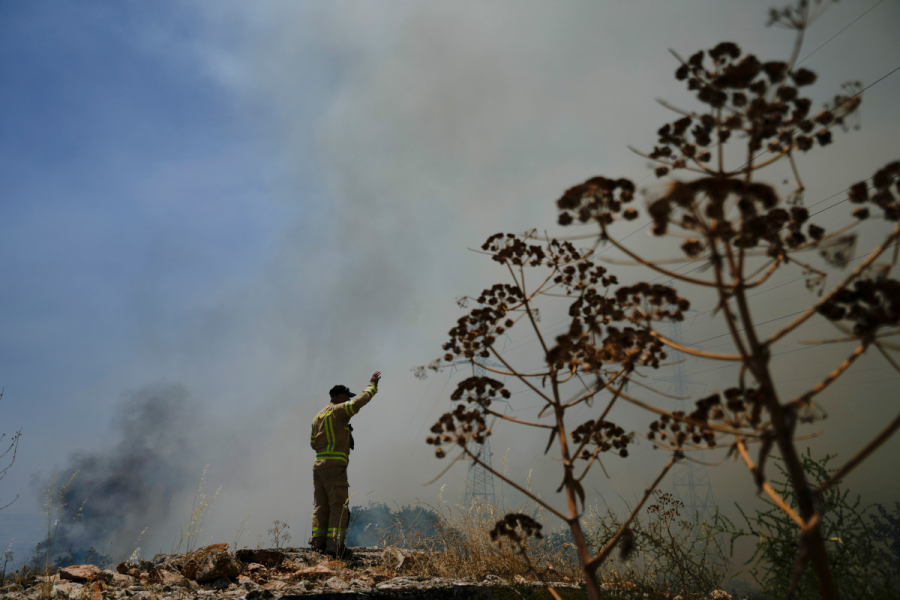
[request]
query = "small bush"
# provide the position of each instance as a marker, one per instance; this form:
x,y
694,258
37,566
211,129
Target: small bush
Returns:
x,y
863,563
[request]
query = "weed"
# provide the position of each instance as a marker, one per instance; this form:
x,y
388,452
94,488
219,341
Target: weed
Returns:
x,y
661,552
199,508
279,534
12,448
241,531
8,557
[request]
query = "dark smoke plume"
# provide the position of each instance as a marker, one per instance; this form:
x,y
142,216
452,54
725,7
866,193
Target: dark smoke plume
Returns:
x,y
120,491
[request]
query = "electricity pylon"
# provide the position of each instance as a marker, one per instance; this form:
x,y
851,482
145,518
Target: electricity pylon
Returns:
x,y
689,478
480,479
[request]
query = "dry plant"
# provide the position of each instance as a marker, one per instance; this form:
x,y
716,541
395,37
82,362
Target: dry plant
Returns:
x,y
190,531
56,501
8,557
12,448
662,552
42,562
241,531
135,555
461,544
279,533
744,231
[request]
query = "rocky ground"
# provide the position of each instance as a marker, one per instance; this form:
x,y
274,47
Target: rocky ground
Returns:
x,y
216,572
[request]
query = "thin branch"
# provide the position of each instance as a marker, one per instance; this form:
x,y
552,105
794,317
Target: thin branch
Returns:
x,y
685,419
525,491
726,311
861,455
842,368
656,261
888,357
600,421
667,163
571,375
511,373
694,352
601,556
800,186
650,265
656,391
442,473
537,329
590,394
514,420
856,273
770,270
521,378
766,487
665,104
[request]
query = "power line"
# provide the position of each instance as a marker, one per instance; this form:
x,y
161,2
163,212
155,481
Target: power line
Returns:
x,y
743,328
839,32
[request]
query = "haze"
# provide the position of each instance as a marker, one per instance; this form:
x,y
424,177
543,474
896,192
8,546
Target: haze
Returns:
x,y
212,212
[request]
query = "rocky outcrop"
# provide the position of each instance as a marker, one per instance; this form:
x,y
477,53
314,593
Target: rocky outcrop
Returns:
x,y
214,573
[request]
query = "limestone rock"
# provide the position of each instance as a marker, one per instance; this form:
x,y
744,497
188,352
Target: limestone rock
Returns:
x,y
336,583
166,577
396,558
84,574
276,585
316,572
65,591
256,568
299,588
211,563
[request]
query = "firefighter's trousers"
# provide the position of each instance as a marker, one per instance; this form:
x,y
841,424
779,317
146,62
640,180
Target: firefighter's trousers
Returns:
x,y
331,512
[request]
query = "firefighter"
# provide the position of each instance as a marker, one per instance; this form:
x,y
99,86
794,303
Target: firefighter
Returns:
x,y
332,439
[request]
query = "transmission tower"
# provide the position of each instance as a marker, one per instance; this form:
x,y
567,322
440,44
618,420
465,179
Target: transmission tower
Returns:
x,y
480,479
689,478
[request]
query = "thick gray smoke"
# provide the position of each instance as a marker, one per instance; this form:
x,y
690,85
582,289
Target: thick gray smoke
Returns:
x,y
115,492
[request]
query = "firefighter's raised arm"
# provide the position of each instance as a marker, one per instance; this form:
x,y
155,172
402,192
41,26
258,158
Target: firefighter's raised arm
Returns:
x,y
346,410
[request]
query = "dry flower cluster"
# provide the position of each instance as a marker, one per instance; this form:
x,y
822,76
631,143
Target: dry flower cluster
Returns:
x,y
745,230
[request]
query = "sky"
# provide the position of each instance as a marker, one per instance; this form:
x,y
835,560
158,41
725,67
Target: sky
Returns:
x,y
212,212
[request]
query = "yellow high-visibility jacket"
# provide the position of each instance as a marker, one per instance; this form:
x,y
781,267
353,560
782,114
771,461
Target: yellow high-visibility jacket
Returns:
x,y
330,436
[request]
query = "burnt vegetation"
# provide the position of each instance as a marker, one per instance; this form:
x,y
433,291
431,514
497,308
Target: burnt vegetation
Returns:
x,y
744,230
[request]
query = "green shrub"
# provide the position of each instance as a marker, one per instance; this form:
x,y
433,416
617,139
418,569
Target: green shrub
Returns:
x,y
862,566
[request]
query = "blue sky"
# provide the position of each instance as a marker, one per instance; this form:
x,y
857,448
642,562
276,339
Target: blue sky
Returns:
x,y
255,201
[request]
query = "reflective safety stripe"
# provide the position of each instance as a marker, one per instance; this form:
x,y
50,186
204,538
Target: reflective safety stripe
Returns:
x,y
331,456
349,408
319,532
372,390
329,429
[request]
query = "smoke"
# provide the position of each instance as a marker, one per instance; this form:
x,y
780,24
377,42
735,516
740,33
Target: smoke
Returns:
x,y
116,492
403,136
